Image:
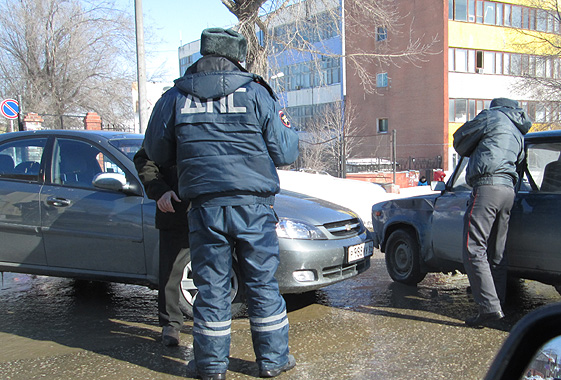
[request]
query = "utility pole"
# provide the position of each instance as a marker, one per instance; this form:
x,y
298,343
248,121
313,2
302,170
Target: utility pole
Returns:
x,y
141,67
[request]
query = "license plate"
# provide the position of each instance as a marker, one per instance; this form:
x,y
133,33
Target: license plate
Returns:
x,y
359,251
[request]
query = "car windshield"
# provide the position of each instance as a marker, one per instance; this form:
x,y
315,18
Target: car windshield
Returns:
x,y
127,146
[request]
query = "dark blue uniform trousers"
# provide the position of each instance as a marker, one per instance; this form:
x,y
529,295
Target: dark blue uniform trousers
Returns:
x,y
250,230
485,232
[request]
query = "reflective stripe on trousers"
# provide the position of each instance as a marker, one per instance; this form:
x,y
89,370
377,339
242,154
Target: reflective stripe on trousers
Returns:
x,y
215,232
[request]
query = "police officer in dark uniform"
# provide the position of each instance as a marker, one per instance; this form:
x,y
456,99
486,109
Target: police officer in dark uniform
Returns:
x,y
226,132
171,220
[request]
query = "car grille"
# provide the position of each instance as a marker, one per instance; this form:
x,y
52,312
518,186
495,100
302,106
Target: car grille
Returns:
x,y
345,228
345,270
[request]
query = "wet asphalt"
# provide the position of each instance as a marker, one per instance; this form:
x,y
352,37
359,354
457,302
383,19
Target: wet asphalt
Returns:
x,y
364,328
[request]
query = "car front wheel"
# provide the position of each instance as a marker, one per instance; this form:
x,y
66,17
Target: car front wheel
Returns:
x,y
189,292
403,258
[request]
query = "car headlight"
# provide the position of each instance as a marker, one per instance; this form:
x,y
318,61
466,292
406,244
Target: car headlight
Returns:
x,y
295,229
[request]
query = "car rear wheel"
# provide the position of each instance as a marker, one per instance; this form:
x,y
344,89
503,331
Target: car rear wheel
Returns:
x,y
189,292
403,258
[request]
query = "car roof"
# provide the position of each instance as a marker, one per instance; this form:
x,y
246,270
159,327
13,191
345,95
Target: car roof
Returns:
x,y
543,135
109,135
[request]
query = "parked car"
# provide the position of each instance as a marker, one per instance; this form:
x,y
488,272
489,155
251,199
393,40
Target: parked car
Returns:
x,y
424,234
71,205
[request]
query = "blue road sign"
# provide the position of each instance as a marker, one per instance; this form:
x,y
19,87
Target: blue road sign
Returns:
x,y
10,108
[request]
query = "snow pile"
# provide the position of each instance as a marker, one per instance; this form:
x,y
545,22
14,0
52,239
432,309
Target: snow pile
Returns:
x,y
358,196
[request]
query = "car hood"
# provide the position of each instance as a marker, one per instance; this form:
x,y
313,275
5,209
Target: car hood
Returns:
x,y
306,208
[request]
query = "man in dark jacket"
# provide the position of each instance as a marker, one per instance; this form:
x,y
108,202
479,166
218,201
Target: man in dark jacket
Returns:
x,y
494,143
226,132
171,220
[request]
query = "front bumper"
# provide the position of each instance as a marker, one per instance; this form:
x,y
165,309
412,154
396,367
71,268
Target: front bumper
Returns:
x,y
323,260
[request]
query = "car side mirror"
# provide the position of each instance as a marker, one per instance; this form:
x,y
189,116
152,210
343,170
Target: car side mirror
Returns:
x,y
438,186
114,182
532,348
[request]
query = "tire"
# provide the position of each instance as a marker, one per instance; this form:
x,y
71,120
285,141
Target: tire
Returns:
x,y
188,292
403,258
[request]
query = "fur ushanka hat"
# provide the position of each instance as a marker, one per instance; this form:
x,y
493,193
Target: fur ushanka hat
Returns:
x,y
224,42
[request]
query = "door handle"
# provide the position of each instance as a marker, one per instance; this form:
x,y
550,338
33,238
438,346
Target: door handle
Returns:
x,y
58,202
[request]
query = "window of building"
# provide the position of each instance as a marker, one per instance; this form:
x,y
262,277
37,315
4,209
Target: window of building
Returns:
x,y
532,19
498,13
382,80
461,60
460,111
471,10
506,64
508,11
381,34
525,18
516,16
382,125
478,60
460,10
489,62
479,12
489,15
472,110
492,62
516,64
541,20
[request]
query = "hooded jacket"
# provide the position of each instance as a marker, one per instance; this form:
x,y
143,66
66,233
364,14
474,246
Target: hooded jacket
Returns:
x,y
224,130
494,143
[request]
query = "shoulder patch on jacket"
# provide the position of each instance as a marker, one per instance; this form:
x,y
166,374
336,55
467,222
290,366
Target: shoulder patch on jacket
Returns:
x,y
284,119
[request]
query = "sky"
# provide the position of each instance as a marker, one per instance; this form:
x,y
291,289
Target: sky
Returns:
x,y
174,23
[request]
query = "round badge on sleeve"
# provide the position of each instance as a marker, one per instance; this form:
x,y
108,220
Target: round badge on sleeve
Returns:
x,y
284,119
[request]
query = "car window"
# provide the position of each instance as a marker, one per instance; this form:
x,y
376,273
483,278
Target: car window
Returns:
x,y
21,159
128,146
76,163
459,178
543,171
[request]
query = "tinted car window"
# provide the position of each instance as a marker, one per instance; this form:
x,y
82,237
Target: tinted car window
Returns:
x,y
21,159
76,163
127,146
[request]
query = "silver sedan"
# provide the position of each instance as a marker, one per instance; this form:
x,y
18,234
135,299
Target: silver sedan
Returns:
x,y
71,205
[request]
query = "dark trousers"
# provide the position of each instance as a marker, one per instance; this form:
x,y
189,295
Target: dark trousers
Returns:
x,y
485,232
174,255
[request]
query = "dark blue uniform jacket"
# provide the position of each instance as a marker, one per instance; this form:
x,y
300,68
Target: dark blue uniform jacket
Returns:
x,y
226,132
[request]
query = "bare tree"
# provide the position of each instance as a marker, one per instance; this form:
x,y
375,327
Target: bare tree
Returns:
x,y
67,57
331,135
301,27
540,67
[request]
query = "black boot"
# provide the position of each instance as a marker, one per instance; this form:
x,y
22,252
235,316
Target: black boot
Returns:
x,y
481,318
